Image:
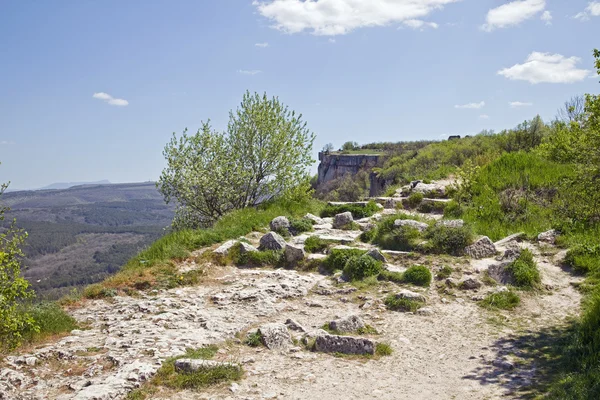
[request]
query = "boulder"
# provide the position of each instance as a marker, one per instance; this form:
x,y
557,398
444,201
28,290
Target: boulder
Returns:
x,y
344,344
280,223
316,220
420,226
451,223
482,248
272,241
368,227
275,336
294,253
342,220
294,325
409,295
191,365
512,252
470,284
548,237
376,254
427,188
348,324
499,273
516,237
224,249
247,248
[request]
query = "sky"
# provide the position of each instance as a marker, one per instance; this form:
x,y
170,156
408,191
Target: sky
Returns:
x,y
93,90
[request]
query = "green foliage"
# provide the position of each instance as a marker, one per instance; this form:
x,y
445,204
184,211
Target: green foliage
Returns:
x,y
13,288
358,211
315,244
337,258
264,154
507,300
400,304
253,339
447,240
524,271
360,267
444,273
299,225
453,210
383,349
389,237
417,275
49,319
350,146
391,276
414,200
258,258
584,258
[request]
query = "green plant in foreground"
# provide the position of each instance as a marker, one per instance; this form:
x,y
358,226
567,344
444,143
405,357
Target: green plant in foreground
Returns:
x,y
414,200
524,271
315,244
253,339
391,276
584,258
50,319
444,273
358,211
360,267
383,349
447,240
401,304
507,300
417,275
337,258
299,225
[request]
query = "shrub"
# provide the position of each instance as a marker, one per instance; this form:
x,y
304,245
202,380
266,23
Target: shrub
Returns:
x,y
388,237
360,267
383,349
258,258
398,304
391,276
368,236
338,258
584,258
417,275
524,271
437,207
253,339
447,240
501,300
50,318
414,199
358,211
299,225
453,209
315,244
444,273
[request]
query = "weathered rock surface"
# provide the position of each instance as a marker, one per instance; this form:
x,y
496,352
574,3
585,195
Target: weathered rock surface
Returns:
x,y
451,223
351,323
342,220
224,249
548,237
316,220
482,248
272,241
410,295
344,345
275,336
470,284
376,254
420,226
279,224
191,365
247,248
294,254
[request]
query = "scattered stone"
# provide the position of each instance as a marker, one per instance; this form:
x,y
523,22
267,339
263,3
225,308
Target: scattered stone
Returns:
x,y
315,219
31,361
279,224
498,273
470,284
275,336
295,326
272,241
344,344
342,220
425,311
409,295
191,365
512,252
548,237
223,250
234,387
451,282
420,226
512,238
451,223
294,254
482,248
348,324
376,254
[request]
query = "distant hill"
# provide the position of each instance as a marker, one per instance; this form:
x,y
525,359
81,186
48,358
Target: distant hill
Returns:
x,y
66,185
82,234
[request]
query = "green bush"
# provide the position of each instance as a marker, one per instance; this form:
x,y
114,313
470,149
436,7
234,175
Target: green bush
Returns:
x,y
391,276
253,339
383,349
257,258
50,318
399,304
453,210
414,200
524,271
299,225
360,267
444,273
368,236
427,207
417,275
337,258
447,240
357,211
315,244
584,258
501,300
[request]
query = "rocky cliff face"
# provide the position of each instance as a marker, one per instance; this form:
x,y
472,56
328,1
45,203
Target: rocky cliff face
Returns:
x,y
334,165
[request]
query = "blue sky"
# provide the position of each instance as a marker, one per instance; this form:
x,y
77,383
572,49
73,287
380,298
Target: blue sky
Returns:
x,y
93,90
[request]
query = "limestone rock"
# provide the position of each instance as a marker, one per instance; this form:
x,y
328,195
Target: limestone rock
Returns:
x,y
376,254
512,238
247,248
482,248
294,325
191,365
272,241
420,226
275,336
344,344
294,253
343,219
451,223
548,237
316,220
427,188
279,223
409,295
348,324
223,250
470,284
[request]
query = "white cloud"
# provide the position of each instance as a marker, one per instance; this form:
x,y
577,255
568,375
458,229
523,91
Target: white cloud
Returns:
x,y
110,100
249,72
420,24
547,17
474,106
263,45
512,13
339,17
516,104
546,68
484,116
332,40
593,9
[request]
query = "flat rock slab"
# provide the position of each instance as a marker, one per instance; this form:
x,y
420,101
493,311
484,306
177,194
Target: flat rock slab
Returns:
x,y
344,344
275,336
191,365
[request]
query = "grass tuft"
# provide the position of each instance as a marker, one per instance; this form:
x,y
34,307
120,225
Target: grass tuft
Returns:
x,y
399,304
501,300
383,349
524,271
